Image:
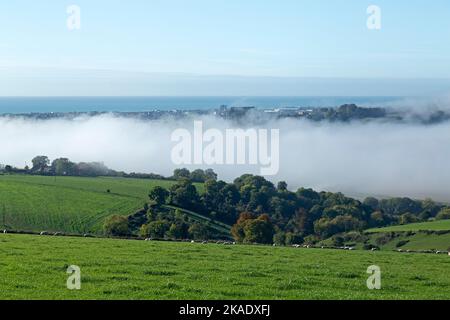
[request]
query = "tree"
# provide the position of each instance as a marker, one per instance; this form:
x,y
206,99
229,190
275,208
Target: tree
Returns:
x,y
253,230
181,174
282,186
407,218
63,166
259,231
156,229
444,214
40,163
178,230
116,226
158,195
184,194
198,231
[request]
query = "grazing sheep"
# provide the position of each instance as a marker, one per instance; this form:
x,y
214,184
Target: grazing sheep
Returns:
x,y
234,243
192,241
43,233
296,246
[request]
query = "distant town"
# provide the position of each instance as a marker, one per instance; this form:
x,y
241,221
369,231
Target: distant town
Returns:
x,y
344,113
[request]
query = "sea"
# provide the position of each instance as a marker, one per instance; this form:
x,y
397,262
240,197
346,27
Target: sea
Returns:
x,y
21,105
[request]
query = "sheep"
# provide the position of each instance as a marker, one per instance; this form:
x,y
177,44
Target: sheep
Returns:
x,y
234,243
192,241
374,249
296,246
43,233
5,231
449,253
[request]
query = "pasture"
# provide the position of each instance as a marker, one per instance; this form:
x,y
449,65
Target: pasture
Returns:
x,y
69,204
34,267
438,225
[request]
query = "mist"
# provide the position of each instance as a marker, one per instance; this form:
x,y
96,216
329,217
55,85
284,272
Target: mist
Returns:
x,y
372,158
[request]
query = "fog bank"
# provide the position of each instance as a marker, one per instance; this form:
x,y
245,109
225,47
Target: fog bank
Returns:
x,y
381,159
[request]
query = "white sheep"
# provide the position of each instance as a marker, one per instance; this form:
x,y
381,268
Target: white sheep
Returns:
x,y
43,233
5,231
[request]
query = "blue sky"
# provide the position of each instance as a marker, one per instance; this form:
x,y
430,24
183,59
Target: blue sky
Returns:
x,y
252,38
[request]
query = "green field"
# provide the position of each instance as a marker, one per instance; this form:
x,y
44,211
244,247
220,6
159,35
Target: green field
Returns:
x,y
34,267
438,225
68,204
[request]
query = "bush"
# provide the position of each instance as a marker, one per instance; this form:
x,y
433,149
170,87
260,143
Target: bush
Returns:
x,y
293,238
401,243
279,238
444,214
156,229
116,226
198,231
369,246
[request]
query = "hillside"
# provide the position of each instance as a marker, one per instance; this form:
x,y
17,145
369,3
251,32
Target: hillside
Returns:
x,y
122,269
438,225
69,204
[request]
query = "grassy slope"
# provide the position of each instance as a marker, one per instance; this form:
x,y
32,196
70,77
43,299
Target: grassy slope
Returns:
x,y
217,225
35,267
68,204
438,225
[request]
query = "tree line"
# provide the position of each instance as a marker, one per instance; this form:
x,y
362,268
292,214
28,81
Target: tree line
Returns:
x,y
261,212
42,165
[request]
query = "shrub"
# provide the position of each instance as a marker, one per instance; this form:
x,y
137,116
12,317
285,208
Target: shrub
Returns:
x,y
156,229
116,226
401,243
444,214
369,246
279,238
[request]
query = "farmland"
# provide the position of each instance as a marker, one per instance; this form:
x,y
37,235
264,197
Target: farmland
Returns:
x,y
438,225
68,204
34,267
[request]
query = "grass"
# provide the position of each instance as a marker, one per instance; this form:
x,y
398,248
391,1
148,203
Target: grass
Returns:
x,y
69,204
34,267
438,225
